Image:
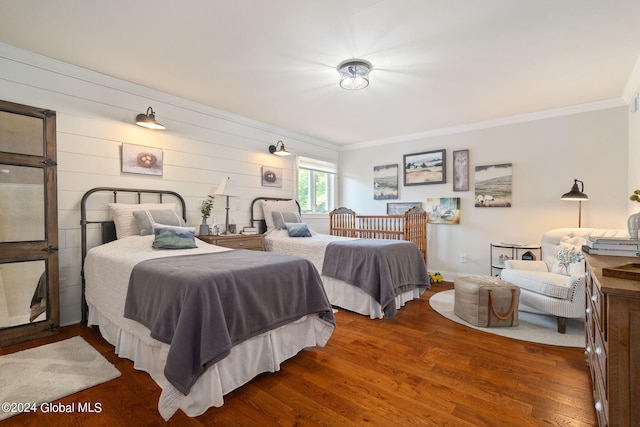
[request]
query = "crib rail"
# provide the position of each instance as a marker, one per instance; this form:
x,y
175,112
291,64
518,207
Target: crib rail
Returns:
x,y
411,226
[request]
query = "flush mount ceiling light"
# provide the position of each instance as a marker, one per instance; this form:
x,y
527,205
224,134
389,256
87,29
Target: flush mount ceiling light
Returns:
x,y
148,120
354,74
273,149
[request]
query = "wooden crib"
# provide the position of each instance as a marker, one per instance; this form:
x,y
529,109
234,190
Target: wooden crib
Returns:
x,y
411,226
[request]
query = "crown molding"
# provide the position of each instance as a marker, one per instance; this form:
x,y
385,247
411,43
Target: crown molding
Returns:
x,y
633,83
539,115
33,59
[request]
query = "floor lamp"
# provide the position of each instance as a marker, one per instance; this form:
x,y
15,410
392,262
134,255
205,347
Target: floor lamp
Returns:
x,y
226,188
576,194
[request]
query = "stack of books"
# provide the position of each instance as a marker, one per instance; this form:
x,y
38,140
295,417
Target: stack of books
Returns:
x,y
615,246
249,230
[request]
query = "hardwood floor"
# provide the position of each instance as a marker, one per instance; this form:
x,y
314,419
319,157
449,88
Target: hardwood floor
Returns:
x,y
418,369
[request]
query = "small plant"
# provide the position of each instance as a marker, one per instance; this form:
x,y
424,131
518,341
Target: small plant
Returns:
x,y
635,196
205,207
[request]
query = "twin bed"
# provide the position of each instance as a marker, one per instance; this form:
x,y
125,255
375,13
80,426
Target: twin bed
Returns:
x,y
372,277
243,314
203,320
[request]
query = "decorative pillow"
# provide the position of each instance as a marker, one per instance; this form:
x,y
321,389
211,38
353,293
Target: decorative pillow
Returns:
x,y
280,218
270,206
170,237
145,219
124,220
569,261
298,229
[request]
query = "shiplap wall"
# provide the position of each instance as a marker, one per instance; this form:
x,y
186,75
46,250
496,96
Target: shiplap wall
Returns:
x,y
201,146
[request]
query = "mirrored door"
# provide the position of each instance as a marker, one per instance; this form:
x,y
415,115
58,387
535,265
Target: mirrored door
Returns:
x,y
29,305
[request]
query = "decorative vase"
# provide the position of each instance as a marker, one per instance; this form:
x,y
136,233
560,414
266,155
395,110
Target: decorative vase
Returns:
x,y
632,225
204,229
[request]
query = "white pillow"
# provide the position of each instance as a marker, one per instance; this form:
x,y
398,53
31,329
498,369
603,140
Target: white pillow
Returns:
x,y
270,206
122,214
569,261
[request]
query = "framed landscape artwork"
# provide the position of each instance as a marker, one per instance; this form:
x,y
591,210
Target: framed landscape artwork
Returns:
x,y
493,186
385,182
428,167
461,170
401,208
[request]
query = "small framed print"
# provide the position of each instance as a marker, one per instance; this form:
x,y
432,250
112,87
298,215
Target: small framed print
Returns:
x,y
271,177
428,167
401,208
142,160
461,170
385,182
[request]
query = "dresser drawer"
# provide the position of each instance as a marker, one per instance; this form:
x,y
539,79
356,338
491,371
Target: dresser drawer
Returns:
x,y
242,243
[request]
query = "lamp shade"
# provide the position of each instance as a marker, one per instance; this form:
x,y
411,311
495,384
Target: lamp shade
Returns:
x,y
227,188
279,149
575,193
148,120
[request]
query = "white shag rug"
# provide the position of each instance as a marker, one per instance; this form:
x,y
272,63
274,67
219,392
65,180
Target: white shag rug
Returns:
x,y
50,372
534,327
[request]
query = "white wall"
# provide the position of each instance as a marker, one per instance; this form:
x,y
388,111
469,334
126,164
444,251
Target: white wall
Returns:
x,y
634,151
95,116
547,154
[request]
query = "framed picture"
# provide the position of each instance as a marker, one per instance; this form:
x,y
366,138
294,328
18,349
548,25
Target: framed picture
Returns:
x,y
493,186
385,182
425,168
461,170
271,177
443,210
142,160
401,208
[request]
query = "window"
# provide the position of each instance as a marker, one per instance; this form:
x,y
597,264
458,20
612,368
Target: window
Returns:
x,y
316,185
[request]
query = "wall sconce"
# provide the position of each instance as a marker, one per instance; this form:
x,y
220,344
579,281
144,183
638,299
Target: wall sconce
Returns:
x,y
576,195
354,74
273,149
148,120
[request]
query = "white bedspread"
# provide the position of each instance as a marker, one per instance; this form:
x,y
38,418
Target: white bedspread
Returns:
x,y
311,248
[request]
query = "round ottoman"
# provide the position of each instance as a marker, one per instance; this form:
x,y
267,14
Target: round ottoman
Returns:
x,y
486,301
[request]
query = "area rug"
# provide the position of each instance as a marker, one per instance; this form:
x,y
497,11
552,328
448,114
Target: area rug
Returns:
x,y
50,372
532,327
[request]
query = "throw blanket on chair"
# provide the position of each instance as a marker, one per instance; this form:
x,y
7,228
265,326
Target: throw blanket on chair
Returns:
x,y
381,268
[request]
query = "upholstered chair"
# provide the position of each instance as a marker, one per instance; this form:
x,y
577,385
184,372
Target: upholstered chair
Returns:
x,y
556,284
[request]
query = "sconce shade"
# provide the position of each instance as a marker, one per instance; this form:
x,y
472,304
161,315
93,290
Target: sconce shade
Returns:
x,y
148,120
575,193
273,149
354,74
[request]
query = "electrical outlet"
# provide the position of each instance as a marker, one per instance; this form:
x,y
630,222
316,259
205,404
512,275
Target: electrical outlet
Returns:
x,y
236,205
62,285
462,258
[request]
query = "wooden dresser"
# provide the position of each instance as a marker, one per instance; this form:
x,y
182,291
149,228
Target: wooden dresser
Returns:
x,y
613,342
254,242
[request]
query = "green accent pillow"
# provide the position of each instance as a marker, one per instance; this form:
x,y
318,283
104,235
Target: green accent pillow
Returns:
x,y
170,237
298,229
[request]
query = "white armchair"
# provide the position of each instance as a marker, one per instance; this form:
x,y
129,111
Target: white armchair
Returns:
x,y
556,284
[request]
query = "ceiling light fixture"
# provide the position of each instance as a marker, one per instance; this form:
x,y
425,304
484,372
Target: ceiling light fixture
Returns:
x,y
148,120
273,149
354,74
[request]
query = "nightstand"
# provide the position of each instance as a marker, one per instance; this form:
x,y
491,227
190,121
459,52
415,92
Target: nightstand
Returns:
x,y
254,242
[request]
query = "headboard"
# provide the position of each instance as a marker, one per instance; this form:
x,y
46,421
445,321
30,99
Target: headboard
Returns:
x,y
260,223
107,227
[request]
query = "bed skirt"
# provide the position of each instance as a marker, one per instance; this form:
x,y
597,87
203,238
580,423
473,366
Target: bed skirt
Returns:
x,y
263,353
352,298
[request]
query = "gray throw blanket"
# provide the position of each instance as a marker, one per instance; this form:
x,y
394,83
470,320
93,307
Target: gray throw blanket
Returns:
x,y
204,304
381,268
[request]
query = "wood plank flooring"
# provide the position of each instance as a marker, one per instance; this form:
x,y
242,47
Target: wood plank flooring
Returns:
x,y
418,369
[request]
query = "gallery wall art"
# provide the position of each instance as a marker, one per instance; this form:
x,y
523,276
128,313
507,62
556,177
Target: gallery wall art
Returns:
x,y
428,167
493,186
271,177
443,210
385,182
461,170
401,208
